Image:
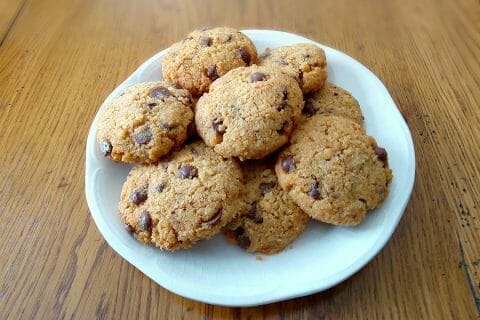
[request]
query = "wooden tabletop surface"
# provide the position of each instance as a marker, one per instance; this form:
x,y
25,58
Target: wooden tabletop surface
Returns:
x,y
60,59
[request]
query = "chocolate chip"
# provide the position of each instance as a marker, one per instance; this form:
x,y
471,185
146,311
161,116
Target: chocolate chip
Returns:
x,y
288,164
160,187
314,193
252,214
243,241
267,187
214,219
151,105
309,109
168,126
129,228
381,153
160,92
177,86
187,171
244,54
206,42
106,147
362,200
139,196
306,56
229,38
282,105
285,128
335,94
217,126
258,76
146,222
143,136
212,73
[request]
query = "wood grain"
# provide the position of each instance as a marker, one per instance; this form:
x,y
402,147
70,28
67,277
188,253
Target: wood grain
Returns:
x,y
59,61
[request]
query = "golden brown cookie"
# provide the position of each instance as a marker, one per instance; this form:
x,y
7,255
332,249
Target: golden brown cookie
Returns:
x,y
332,99
273,220
145,122
205,55
186,198
304,61
250,112
333,170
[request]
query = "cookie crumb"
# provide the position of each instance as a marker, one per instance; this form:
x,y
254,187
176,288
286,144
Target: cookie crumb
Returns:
x,y
259,258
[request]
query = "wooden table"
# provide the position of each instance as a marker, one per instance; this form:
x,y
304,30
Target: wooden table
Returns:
x,y
60,59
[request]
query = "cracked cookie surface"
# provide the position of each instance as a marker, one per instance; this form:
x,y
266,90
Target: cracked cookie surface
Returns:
x,y
144,123
250,112
190,196
305,62
333,170
205,55
333,100
272,220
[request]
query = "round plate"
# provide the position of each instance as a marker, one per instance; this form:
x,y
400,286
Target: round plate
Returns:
x,y
217,272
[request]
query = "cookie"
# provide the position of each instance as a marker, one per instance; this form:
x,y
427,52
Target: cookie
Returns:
x,y
145,122
205,55
273,220
183,199
332,99
333,170
249,112
305,62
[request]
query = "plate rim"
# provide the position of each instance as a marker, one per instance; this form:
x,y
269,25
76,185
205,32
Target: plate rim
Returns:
x,y
332,280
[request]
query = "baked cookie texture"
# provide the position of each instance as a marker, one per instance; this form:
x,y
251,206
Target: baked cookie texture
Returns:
x,y
333,170
272,220
144,123
205,55
333,100
249,112
305,62
190,196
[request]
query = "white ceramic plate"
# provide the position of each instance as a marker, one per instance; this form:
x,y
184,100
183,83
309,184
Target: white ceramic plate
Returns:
x,y
216,272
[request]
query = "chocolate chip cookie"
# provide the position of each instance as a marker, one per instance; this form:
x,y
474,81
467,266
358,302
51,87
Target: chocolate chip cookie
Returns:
x,y
305,62
272,220
145,122
205,55
333,170
183,199
250,112
332,99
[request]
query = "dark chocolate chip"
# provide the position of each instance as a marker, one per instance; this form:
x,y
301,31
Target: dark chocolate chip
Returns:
x,y
143,136
106,147
258,76
284,91
288,164
177,86
244,54
362,200
335,94
309,109
229,38
267,187
139,196
314,193
187,171
243,241
146,222
252,214
206,42
306,56
212,73
129,228
381,153
217,126
151,105
214,219
160,187
160,92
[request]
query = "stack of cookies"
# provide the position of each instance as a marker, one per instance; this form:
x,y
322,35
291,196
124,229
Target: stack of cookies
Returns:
x,y
250,146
